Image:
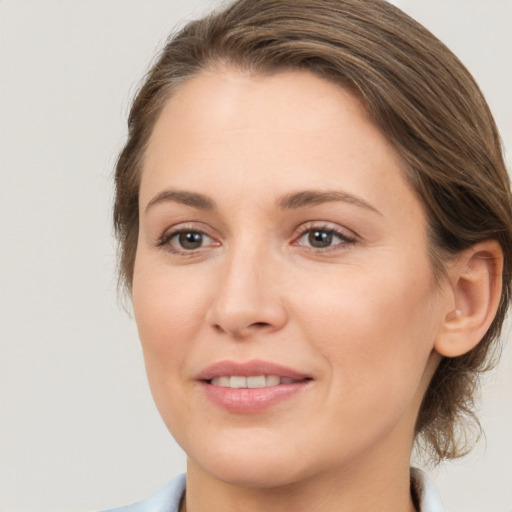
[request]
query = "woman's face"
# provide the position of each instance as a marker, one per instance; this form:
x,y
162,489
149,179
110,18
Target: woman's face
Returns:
x,y
282,289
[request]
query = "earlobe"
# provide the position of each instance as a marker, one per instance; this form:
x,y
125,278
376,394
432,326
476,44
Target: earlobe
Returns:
x,y
476,281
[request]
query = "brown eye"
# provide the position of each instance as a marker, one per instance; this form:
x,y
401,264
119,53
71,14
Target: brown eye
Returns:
x,y
186,240
324,238
183,240
320,238
189,240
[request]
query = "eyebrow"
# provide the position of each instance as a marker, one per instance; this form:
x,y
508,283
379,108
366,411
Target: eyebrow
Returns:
x,y
314,197
291,201
192,199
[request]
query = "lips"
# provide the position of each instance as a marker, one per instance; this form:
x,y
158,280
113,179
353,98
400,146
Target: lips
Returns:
x,y
252,368
253,382
251,386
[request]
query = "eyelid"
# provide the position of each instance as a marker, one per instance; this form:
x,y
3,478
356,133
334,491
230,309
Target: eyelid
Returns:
x,y
347,237
168,234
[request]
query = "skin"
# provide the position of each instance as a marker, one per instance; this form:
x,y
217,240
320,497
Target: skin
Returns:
x,y
360,316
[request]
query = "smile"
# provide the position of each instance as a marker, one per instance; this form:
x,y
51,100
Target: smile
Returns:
x,y
257,381
251,386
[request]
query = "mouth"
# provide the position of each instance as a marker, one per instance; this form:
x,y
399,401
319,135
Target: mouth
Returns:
x,y
252,386
253,382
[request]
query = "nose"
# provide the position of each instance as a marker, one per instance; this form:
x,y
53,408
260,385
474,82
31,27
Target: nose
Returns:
x,y
249,299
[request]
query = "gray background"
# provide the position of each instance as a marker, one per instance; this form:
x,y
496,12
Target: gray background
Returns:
x,y
78,427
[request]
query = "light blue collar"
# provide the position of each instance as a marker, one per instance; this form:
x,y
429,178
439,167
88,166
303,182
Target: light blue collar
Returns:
x,y
429,500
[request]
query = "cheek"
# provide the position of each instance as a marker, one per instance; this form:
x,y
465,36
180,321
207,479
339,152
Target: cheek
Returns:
x,y
169,309
375,331
169,312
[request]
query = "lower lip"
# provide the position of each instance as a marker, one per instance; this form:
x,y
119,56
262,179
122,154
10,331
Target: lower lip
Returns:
x,y
251,400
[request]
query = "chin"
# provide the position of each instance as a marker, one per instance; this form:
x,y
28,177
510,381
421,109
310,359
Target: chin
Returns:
x,y
251,463
263,474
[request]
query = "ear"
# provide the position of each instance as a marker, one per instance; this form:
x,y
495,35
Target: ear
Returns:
x,y
476,281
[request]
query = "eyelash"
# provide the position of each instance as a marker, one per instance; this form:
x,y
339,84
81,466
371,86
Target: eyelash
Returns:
x,y
167,236
305,230
309,228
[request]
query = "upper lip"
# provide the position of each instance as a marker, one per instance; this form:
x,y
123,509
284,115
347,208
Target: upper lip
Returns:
x,y
249,369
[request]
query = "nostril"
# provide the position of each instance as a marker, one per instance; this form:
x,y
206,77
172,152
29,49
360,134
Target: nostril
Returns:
x,y
259,324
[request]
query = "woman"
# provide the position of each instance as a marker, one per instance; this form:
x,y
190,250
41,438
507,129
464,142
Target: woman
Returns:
x,y
315,228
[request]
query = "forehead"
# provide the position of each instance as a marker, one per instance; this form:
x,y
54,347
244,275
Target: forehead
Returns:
x,y
271,134
227,99
236,97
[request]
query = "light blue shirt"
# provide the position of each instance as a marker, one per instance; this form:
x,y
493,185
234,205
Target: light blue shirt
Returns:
x,y
168,498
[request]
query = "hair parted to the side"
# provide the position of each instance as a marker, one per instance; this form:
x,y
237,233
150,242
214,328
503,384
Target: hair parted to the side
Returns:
x,y
423,100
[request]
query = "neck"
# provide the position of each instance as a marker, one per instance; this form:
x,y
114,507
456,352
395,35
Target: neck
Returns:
x,y
386,489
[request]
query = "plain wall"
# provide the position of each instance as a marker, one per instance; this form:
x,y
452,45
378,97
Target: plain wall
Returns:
x,y
78,427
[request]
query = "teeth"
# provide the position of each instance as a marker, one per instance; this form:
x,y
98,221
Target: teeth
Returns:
x,y
238,382
257,381
273,380
224,382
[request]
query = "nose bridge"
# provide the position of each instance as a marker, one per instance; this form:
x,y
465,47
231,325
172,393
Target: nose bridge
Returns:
x,y
247,298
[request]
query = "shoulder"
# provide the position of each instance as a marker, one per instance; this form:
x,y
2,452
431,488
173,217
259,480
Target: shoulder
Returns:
x,y
425,492
166,499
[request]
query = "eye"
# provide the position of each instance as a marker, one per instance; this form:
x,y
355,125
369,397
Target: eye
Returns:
x,y
320,238
323,238
189,240
185,240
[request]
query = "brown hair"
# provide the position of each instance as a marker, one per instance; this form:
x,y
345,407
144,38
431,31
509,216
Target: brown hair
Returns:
x,y
421,97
